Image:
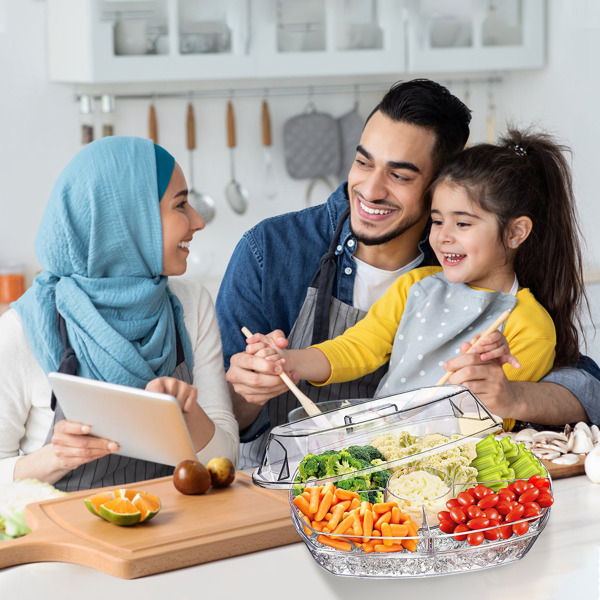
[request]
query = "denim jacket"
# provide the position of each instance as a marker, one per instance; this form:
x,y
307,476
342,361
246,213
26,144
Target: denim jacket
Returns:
x,y
274,263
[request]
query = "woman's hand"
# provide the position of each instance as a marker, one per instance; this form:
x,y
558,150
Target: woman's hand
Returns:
x,y
186,394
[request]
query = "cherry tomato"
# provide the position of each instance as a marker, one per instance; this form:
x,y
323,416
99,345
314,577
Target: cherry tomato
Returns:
x,y
533,508
503,507
534,478
444,515
488,501
545,500
531,512
492,534
458,515
478,523
475,538
542,482
505,531
515,514
481,491
529,495
506,494
465,499
492,514
473,512
520,486
454,503
520,528
459,530
447,526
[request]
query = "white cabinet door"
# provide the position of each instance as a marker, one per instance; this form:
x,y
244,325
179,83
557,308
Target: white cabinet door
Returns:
x,y
328,37
99,41
474,35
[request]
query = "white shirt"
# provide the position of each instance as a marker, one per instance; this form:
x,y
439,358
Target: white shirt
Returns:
x,y
371,283
25,413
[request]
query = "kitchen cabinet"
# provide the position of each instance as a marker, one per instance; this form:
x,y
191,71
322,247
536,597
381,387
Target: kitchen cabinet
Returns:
x,y
101,41
474,35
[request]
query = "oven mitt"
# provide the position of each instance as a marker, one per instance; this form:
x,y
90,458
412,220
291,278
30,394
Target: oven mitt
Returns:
x,y
351,126
312,145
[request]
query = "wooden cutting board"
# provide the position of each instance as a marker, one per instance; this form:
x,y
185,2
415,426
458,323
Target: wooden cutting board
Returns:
x,y
189,530
560,471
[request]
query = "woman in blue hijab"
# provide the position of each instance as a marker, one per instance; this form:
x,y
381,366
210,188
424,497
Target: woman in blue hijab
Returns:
x,y
117,225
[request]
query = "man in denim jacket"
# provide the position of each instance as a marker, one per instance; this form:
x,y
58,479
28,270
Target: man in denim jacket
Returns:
x,y
315,272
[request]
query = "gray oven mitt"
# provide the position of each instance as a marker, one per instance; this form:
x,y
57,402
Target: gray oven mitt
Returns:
x,y
312,145
351,126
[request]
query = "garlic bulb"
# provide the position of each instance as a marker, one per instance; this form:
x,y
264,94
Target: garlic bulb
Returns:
x,y
592,464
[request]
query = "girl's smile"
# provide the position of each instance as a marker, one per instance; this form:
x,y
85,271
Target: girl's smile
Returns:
x,y
467,242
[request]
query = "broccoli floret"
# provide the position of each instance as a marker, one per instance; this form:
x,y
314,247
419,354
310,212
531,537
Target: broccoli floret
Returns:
x,y
309,467
341,463
353,484
322,459
375,496
366,453
380,478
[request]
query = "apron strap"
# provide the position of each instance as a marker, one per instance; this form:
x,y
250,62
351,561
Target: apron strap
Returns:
x,y
68,362
323,281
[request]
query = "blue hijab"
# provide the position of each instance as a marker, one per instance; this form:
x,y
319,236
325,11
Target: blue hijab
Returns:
x,y
100,246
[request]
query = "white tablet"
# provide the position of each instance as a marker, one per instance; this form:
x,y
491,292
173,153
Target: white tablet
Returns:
x,y
146,425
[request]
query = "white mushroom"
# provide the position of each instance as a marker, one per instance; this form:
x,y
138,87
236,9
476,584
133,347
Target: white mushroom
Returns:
x,y
595,433
582,444
553,445
525,435
547,436
546,454
566,459
582,426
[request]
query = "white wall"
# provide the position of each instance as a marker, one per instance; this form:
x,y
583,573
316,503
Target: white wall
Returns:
x,y
40,129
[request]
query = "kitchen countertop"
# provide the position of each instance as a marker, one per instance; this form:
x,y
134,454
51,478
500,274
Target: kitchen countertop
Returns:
x,y
563,563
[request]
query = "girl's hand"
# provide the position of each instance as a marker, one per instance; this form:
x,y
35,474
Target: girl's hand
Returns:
x,y
271,346
73,446
493,346
186,394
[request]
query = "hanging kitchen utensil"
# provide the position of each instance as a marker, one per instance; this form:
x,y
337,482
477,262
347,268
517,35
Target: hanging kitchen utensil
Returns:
x,y
237,196
204,205
312,145
491,119
351,126
152,124
269,187
86,104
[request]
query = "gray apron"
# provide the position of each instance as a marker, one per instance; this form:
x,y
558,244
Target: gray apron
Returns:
x,y
437,318
112,469
321,317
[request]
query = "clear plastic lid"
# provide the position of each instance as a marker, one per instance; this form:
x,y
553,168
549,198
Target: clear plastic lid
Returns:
x,y
445,410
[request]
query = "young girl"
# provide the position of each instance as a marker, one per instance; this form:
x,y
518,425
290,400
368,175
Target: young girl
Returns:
x,y
504,230
116,227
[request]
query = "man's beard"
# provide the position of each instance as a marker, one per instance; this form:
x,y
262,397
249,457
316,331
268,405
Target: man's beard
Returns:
x,y
390,235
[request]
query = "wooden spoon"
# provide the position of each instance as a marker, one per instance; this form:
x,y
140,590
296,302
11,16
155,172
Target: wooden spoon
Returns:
x,y
152,124
309,406
489,330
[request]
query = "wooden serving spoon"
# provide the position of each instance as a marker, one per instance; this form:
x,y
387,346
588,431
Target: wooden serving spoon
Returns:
x,y
309,406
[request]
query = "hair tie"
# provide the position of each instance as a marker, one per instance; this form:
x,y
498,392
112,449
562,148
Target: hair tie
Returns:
x,y
520,150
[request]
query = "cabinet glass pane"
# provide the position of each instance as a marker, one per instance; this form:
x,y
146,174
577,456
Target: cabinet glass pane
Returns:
x,y
300,25
357,25
203,27
449,23
139,26
503,23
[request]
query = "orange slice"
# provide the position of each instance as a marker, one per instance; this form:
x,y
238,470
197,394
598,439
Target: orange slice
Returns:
x,y
148,505
120,511
94,502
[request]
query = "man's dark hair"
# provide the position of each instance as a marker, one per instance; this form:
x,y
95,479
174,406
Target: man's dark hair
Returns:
x,y
428,104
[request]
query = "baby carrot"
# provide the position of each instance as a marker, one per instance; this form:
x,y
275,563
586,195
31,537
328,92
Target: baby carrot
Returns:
x,y
412,527
367,525
386,534
384,518
324,506
368,547
306,495
336,516
345,504
313,501
357,528
303,506
328,487
395,515
354,504
307,530
345,494
364,507
410,545
384,548
399,530
337,544
383,507
345,524
317,525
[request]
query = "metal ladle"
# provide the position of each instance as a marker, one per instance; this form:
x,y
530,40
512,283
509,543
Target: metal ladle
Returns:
x,y
237,196
204,205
